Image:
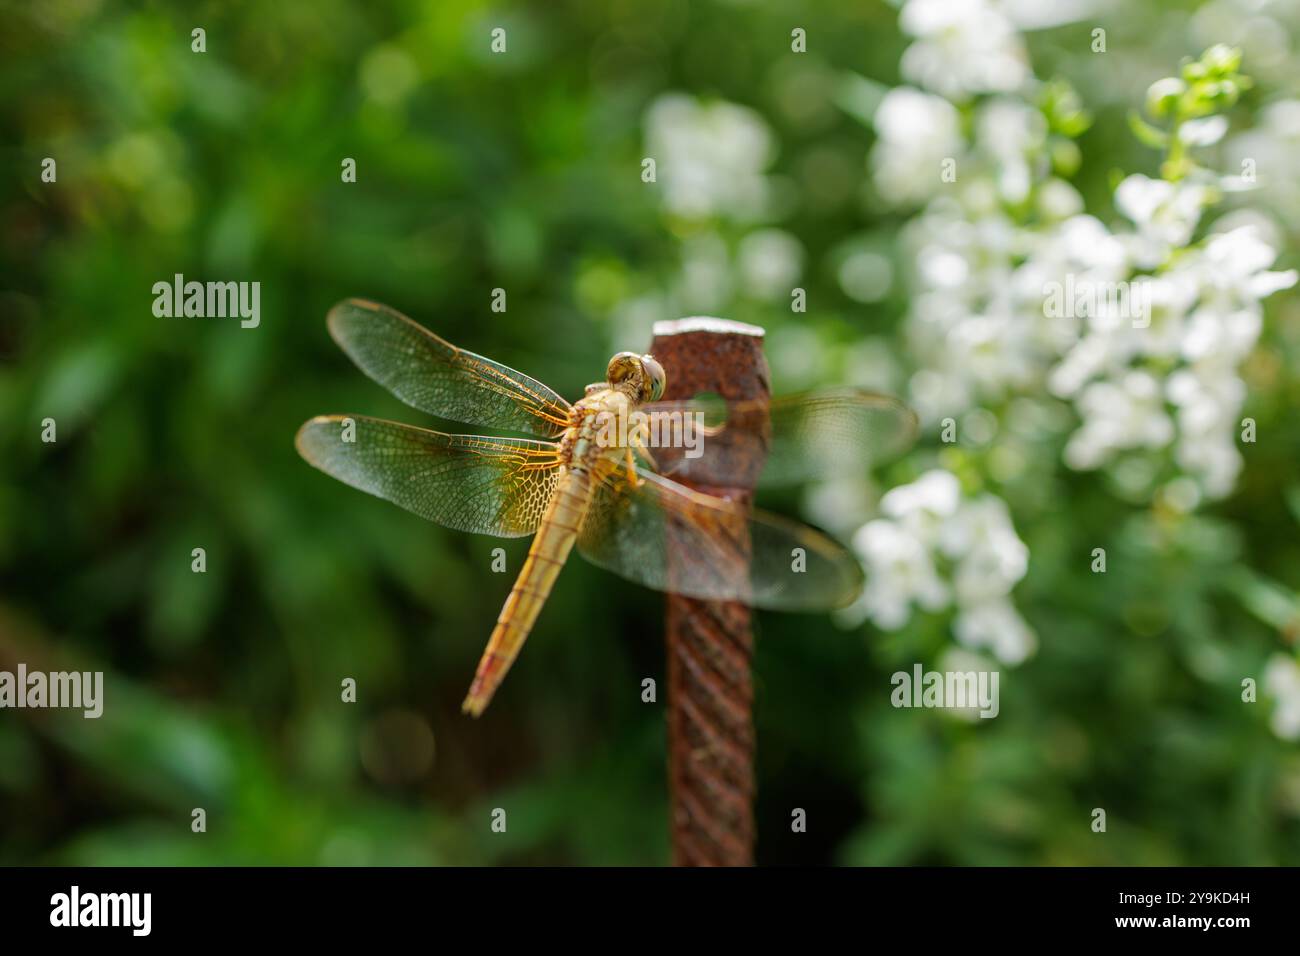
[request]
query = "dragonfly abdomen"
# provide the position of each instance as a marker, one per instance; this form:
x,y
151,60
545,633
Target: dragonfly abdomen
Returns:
x,y
550,548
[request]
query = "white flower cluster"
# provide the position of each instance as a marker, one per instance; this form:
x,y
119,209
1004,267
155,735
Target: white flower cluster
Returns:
x,y
962,47
1171,378
1164,375
1149,357
934,549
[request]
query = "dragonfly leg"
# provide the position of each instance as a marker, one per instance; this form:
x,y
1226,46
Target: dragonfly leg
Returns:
x,y
637,443
636,480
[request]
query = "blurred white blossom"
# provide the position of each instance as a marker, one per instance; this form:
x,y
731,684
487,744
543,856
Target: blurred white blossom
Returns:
x,y
934,548
900,572
998,626
917,132
1282,682
1236,267
865,275
962,47
1267,153
1203,132
770,262
1011,132
1165,214
1132,385
705,281
710,157
1128,413
1161,377
1150,362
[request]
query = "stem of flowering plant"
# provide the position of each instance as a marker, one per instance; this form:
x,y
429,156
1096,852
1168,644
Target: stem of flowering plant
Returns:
x,y
1173,168
710,643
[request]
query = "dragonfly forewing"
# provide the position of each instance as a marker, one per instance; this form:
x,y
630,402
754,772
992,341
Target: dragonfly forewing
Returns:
x,y
436,377
476,483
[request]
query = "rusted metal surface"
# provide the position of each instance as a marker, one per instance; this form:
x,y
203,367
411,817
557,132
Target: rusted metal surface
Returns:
x,y
710,644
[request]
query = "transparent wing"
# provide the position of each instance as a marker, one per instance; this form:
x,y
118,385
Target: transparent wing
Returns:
x,y
434,376
807,436
666,536
497,486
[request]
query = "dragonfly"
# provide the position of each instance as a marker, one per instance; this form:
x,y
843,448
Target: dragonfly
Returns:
x,y
613,493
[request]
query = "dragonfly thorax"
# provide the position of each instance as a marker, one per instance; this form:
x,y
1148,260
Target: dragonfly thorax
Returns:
x,y
601,426
603,422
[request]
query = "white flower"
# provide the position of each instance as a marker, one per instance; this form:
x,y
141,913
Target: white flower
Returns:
x,y
1083,243
935,394
1165,213
1203,132
1057,199
1008,127
943,268
709,158
1208,397
770,261
1213,459
992,351
998,626
1086,359
1168,298
933,496
1266,154
991,557
1282,681
929,531
900,570
865,275
705,282
1009,130
962,47
1236,266
1210,332
1124,414
917,132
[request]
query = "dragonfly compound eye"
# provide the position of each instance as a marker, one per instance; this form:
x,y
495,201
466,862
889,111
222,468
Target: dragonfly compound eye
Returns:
x,y
623,366
655,376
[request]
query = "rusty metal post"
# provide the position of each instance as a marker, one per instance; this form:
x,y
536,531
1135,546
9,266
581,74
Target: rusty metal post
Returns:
x,y
710,644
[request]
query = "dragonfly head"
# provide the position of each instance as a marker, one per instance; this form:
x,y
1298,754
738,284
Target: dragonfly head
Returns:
x,y
638,375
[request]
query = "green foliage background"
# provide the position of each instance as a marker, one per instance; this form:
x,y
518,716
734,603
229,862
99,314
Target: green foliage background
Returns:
x,y
523,172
